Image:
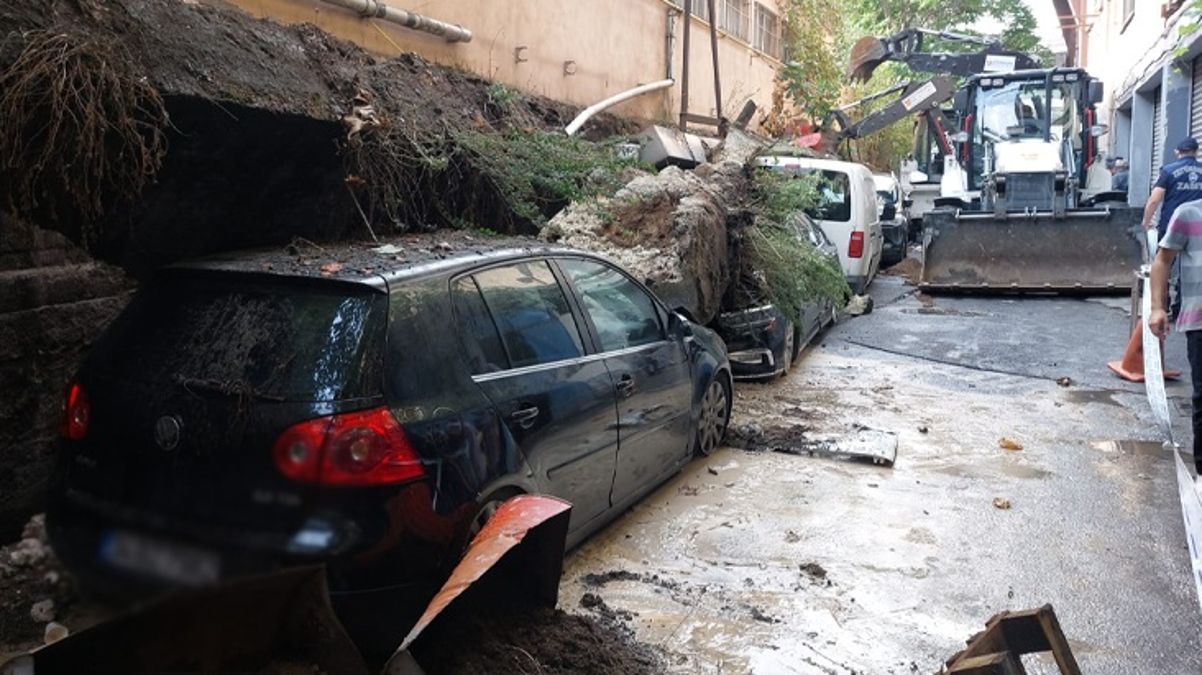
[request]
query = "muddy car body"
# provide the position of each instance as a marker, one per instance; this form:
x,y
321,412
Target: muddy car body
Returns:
x,y
761,340
235,420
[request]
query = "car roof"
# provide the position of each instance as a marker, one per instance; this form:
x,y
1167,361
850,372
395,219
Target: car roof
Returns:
x,y
376,263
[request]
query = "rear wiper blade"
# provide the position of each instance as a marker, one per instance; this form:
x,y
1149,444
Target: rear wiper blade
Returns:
x,y
236,388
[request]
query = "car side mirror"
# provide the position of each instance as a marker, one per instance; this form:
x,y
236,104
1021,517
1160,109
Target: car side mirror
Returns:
x,y
1097,91
681,323
889,212
907,203
1099,130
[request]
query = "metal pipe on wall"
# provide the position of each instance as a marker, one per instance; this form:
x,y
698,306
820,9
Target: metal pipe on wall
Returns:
x,y
672,12
595,108
374,8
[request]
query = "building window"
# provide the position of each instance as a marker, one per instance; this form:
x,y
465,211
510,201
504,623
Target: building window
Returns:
x,y
732,18
767,32
700,8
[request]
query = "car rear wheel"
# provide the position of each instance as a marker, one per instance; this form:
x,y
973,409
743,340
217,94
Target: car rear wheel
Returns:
x,y
715,415
484,512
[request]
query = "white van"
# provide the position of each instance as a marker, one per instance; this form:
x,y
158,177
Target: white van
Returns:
x,y
848,214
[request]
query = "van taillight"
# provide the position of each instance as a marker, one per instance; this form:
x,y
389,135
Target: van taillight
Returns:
x,y
367,447
77,413
855,247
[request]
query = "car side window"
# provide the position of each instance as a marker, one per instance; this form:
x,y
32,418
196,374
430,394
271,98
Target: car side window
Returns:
x,y
531,312
623,314
482,342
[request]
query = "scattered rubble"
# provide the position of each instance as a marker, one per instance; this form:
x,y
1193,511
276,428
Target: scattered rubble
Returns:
x,y
40,598
1065,381
814,570
1007,443
1001,503
859,305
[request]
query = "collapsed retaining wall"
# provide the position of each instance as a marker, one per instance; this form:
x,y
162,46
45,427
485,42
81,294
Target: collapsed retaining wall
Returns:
x,y
54,299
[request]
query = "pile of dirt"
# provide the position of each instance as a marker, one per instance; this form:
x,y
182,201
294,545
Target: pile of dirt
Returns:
x,y
259,148
908,268
535,640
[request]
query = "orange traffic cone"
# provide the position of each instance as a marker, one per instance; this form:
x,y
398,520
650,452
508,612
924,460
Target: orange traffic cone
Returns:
x,y
1132,366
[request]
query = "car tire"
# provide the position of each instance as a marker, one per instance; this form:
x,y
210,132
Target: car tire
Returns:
x,y
792,348
485,509
714,416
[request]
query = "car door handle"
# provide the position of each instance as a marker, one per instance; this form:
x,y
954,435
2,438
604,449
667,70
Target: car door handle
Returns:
x,y
524,417
625,386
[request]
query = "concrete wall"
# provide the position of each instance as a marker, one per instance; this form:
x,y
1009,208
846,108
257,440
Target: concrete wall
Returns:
x,y
607,45
54,300
1138,56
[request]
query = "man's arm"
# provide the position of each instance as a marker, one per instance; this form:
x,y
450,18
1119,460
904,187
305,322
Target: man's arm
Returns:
x,y
1158,320
1154,201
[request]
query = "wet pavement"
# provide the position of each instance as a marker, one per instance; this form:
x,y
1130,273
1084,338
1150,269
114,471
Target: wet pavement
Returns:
x,y
757,561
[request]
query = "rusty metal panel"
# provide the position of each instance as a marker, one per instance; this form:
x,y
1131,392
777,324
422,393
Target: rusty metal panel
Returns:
x,y
1093,251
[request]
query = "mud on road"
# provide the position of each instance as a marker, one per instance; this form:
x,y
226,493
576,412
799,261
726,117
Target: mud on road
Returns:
x,y
778,563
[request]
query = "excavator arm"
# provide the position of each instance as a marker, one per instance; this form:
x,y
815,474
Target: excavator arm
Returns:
x,y
916,98
906,46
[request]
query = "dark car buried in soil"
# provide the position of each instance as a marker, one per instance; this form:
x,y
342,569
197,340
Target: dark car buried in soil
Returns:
x,y
235,420
762,341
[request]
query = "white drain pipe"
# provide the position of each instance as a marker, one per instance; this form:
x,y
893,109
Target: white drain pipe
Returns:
x,y
376,9
595,108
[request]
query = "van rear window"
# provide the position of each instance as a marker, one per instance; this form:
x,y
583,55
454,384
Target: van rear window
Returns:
x,y
267,339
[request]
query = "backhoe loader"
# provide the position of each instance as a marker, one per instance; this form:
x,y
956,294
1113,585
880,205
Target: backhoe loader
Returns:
x,y
1024,205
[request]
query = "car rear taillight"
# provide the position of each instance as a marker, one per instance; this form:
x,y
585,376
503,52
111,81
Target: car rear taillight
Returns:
x,y
77,413
367,447
855,247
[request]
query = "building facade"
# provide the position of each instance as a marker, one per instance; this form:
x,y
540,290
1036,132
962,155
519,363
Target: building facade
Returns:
x,y
578,52
1152,71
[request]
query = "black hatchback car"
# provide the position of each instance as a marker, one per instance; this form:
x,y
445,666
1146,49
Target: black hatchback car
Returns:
x,y
246,414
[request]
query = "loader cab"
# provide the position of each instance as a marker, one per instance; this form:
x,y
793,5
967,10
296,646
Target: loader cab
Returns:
x,y
1034,121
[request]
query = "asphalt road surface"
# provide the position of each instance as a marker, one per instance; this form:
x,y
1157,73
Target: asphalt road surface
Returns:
x,y
767,562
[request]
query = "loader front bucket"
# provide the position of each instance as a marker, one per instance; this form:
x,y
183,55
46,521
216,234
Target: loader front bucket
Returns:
x,y
1085,251
866,54
257,624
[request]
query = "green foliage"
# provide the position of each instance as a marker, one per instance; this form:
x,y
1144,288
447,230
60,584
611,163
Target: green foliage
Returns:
x,y
502,97
776,195
884,17
788,271
812,78
536,173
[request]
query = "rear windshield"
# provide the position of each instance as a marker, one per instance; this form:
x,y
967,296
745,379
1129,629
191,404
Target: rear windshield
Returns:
x,y
834,190
264,339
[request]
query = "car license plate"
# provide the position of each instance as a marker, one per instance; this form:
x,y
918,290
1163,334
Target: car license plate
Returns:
x,y
157,558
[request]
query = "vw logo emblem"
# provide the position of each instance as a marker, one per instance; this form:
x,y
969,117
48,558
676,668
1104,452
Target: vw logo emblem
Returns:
x,y
166,432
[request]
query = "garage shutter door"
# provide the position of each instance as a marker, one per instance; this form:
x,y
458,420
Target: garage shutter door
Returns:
x,y
1195,100
1157,135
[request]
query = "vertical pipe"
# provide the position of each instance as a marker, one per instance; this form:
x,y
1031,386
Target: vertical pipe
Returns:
x,y
717,81
671,48
684,67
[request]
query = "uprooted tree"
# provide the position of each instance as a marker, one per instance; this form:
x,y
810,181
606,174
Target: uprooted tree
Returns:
x,y
83,132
